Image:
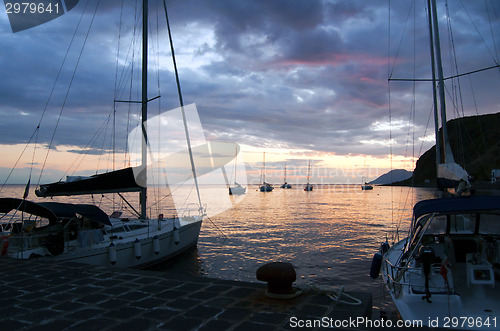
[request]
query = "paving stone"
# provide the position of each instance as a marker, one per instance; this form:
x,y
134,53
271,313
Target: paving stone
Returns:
x,y
191,287
312,311
180,323
134,324
60,324
85,314
240,292
216,325
68,306
123,312
171,294
182,303
94,324
252,326
218,288
205,312
39,315
153,288
37,303
134,295
112,303
235,314
162,314
268,318
9,324
116,290
148,303
220,302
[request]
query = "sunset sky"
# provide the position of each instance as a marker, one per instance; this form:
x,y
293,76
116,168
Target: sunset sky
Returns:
x,y
299,80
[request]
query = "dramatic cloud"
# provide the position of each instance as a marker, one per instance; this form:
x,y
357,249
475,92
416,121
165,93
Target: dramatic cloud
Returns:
x,y
308,75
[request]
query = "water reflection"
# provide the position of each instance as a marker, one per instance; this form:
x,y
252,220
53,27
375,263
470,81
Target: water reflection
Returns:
x,y
329,234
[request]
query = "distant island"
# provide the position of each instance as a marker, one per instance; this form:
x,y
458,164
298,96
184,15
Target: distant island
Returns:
x,y
393,176
475,144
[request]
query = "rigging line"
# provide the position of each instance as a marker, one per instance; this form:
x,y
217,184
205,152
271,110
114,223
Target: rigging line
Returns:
x,y
479,33
19,158
103,142
193,168
79,159
116,83
53,86
491,30
391,71
218,229
480,127
67,92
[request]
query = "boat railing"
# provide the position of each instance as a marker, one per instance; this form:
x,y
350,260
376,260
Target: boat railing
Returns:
x,y
192,210
397,277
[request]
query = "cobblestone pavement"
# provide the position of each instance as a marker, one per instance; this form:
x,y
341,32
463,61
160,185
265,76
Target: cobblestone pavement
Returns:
x,y
40,295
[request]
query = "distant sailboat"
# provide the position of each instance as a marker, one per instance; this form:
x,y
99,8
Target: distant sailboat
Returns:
x,y
236,188
285,185
265,187
366,187
309,186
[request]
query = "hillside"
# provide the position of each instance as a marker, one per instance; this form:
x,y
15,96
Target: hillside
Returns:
x,y
475,144
392,176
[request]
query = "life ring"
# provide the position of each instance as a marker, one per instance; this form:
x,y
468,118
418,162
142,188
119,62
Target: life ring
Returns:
x,y
5,245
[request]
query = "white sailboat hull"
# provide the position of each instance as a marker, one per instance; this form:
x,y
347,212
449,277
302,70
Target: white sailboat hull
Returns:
x,y
156,245
458,306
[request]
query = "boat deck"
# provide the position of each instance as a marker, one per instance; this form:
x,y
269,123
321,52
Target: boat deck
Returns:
x,y
72,296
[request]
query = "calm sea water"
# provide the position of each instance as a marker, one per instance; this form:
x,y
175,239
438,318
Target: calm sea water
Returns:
x,y
329,234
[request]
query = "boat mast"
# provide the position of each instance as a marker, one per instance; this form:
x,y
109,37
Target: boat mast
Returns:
x,y
186,130
434,93
308,172
264,170
144,103
447,155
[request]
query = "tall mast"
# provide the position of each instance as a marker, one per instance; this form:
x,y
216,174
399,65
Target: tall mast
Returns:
x,y
434,93
264,171
144,102
447,155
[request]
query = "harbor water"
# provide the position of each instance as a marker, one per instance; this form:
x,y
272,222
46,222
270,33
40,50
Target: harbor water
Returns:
x,y
329,234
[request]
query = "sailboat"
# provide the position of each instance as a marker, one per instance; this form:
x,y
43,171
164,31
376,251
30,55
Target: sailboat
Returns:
x,y
236,188
366,187
308,186
85,233
444,272
285,184
265,187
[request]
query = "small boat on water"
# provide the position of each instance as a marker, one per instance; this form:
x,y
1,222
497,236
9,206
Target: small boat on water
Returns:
x,y
308,186
237,189
265,187
285,184
366,187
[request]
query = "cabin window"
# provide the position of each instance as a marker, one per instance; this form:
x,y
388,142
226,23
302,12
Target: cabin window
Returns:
x,y
437,225
462,223
489,224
